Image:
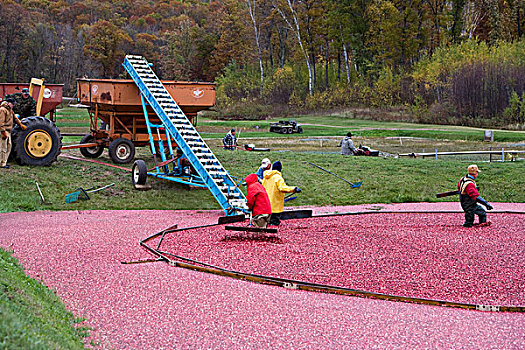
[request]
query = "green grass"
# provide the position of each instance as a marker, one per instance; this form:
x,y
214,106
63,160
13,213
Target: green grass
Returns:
x,y
73,120
364,128
31,315
77,119
316,131
385,180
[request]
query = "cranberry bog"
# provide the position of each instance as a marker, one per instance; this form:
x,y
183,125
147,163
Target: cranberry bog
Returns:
x,y
92,260
425,257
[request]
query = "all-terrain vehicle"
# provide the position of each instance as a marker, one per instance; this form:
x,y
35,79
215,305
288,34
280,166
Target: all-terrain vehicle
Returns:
x,y
286,127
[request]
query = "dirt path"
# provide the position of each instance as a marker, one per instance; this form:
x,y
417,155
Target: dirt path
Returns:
x,y
371,128
153,305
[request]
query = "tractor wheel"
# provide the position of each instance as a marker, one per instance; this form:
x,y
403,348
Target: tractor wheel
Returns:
x,y
39,144
121,151
90,152
139,173
300,130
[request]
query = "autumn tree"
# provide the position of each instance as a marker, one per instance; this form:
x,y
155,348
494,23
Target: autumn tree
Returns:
x,y
147,45
349,26
394,31
316,35
234,44
440,15
40,45
180,50
13,18
105,44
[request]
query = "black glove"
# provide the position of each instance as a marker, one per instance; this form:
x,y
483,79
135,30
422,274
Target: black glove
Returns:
x,y
297,190
484,202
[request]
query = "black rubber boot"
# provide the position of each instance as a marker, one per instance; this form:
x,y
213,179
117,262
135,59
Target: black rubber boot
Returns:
x,y
483,219
482,214
469,219
275,219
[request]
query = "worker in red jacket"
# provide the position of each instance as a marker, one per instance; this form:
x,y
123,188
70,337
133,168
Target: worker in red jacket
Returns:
x,y
469,198
258,201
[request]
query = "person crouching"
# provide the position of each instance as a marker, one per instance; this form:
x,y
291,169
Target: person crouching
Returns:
x,y
266,164
258,201
276,188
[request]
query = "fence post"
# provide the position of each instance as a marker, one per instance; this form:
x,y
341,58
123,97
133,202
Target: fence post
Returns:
x,y
490,159
502,154
423,153
436,153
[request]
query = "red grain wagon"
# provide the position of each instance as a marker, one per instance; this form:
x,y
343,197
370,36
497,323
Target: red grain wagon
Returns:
x,y
116,113
52,96
41,142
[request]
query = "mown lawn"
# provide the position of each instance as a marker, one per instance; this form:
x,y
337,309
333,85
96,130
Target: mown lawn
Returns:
x,y
77,119
385,180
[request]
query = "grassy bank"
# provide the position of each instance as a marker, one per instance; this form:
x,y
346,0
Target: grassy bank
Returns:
x,y
385,180
31,315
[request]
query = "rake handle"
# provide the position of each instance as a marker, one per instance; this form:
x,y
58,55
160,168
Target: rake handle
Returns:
x,y
40,192
329,172
101,188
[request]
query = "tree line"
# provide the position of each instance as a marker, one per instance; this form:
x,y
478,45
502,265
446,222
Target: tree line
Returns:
x,y
453,61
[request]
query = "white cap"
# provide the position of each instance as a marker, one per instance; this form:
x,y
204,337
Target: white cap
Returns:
x,y
265,162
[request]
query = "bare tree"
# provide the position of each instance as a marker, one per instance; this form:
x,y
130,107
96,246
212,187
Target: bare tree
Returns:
x,y
251,9
345,53
472,16
295,28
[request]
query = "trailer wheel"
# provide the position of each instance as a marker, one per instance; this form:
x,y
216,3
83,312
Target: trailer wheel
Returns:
x,y
121,151
39,144
289,130
90,152
139,173
282,131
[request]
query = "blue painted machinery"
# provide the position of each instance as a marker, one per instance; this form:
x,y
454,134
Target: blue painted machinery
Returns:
x,y
195,164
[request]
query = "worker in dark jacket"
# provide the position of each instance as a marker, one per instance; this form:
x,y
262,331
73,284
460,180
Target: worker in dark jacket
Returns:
x,y
25,105
230,140
469,197
7,117
258,201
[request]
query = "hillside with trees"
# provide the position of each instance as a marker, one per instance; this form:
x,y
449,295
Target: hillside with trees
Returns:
x,y
458,62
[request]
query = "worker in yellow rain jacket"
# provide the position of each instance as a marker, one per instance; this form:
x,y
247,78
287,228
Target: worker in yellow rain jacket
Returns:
x,y
275,186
